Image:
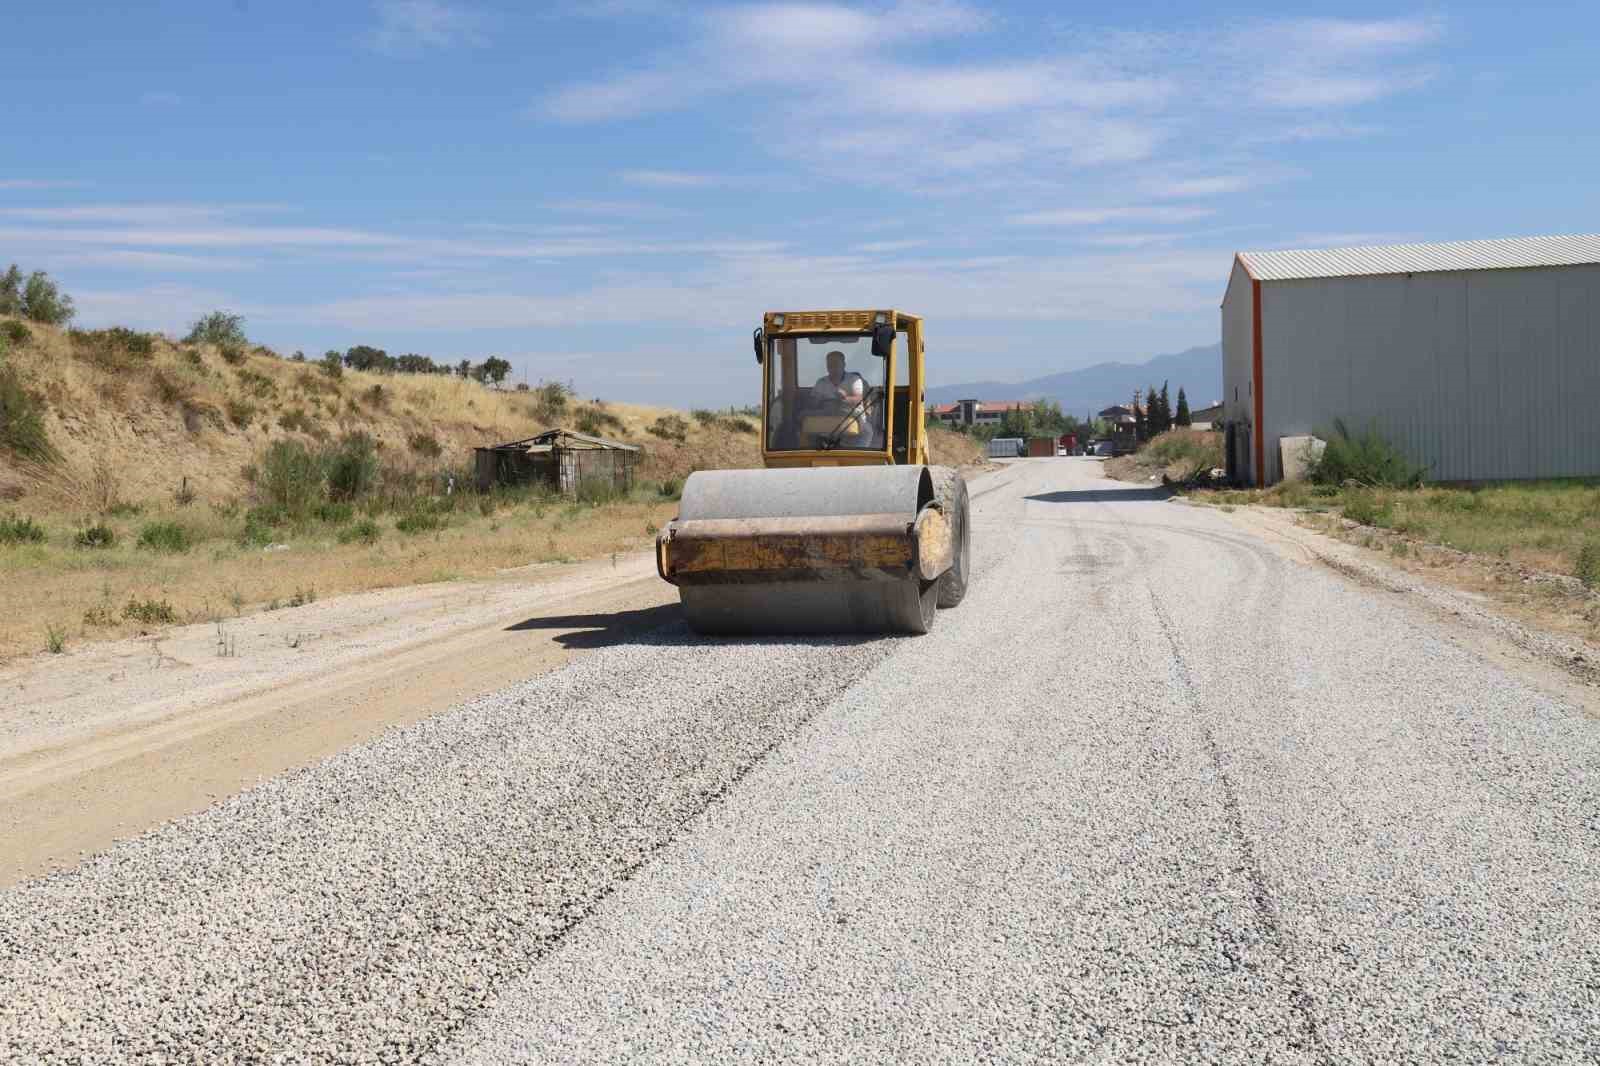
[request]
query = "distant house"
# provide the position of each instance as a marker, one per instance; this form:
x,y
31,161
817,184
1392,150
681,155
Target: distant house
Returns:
x,y
1205,417
977,412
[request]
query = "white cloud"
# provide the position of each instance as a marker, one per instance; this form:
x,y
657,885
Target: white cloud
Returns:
x,y
21,184
140,214
1189,188
613,208
410,26
1094,216
674,179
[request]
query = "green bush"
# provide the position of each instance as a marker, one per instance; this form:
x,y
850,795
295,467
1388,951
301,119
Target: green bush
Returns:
x,y
550,400
1367,459
596,490
16,332
22,429
704,417
669,427
352,466
333,513
23,530
1588,568
296,420
219,328
332,365
289,477
165,537
257,384
672,489
595,420
1368,508
740,425
43,301
259,523
233,354
98,535
112,347
419,521
366,531
426,445
11,291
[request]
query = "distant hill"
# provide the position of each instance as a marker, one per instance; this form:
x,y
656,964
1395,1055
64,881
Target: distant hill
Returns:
x,y
1197,370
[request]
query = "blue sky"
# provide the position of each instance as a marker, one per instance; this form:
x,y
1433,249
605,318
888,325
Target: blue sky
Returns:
x,y
611,193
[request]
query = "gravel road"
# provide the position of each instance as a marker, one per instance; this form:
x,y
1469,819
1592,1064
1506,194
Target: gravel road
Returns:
x,y
1155,792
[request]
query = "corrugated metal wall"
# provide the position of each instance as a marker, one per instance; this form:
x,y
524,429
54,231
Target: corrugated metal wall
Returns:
x,y
1238,351
1478,375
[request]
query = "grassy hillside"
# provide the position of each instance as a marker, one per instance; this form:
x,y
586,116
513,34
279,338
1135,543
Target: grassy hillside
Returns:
x,y
145,482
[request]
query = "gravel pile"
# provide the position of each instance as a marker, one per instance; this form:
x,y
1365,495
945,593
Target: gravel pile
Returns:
x,y
361,910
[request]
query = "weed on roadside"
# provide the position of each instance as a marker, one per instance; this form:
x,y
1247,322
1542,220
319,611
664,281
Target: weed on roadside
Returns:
x,y
365,531
98,535
1588,567
55,638
165,537
20,530
150,612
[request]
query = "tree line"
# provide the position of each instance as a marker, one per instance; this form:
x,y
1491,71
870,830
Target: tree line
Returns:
x,y
1157,415
492,371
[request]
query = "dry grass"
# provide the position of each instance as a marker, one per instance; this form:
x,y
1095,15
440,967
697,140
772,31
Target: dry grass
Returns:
x,y
1178,455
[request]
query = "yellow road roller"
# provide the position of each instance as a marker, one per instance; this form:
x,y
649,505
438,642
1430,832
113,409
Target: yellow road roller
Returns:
x,y
848,529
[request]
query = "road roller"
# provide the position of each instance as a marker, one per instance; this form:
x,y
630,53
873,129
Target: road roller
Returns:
x,y
847,528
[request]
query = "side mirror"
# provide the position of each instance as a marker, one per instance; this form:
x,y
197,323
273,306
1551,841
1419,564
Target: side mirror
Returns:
x,y
761,348
882,340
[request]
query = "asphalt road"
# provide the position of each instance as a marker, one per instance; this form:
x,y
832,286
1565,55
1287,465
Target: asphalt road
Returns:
x,y
1155,792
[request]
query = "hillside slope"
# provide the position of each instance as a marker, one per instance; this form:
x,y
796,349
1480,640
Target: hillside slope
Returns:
x,y
1197,370
134,417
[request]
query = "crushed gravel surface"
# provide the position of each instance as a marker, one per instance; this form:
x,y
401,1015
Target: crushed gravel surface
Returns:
x,y
1154,792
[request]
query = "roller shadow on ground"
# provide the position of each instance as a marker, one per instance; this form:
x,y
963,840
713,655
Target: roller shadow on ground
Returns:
x,y
658,626
662,624
1103,495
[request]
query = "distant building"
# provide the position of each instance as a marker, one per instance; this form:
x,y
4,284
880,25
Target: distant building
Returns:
x,y
1205,417
1478,360
977,412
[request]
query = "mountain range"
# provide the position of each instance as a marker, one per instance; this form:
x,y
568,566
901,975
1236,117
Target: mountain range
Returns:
x,y
1198,371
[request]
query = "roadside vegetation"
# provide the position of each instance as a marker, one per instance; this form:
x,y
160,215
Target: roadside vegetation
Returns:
x,y
214,476
1364,489
1176,456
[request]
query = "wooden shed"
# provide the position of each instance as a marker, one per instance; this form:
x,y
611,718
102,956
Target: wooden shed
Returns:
x,y
560,458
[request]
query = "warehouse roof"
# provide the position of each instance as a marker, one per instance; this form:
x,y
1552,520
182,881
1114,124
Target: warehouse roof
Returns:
x,y
1423,258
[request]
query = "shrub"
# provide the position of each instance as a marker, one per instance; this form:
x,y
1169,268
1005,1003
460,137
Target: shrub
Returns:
x,y
550,400
171,388
597,420
740,425
257,384
98,535
1367,459
258,526
233,354
704,417
419,521
22,530
165,537
332,365
427,445
55,638
241,413
219,328
43,301
296,420
333,513
22,429
112,348
289,478
366,531
1368,508
150,612
376,398
352,466
16,332
1588,568
596,490
670,427
11,291
672,489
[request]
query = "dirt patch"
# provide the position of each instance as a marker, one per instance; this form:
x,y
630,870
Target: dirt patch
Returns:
x,y
105,742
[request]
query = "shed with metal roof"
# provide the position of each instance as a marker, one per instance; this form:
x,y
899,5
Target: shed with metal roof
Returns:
x,y
1480,360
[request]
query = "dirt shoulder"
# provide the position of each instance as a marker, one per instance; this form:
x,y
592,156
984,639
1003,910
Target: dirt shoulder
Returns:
x,y
1536,624
108,739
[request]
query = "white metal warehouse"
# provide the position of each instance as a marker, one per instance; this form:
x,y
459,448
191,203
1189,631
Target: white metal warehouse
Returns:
x,y
1479,359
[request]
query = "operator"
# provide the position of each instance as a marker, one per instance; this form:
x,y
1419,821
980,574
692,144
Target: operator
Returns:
x,y
837,386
